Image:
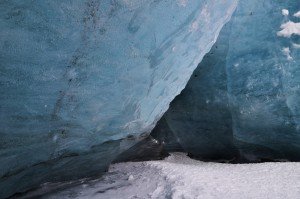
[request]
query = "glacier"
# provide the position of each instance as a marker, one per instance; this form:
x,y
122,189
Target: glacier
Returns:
x,y
82,81
242,103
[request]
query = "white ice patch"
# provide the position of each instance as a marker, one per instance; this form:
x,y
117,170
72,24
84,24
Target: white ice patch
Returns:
x,y
285,12
55,137
286,51
130,178
236,65
297,46
288,29
182,3
297,14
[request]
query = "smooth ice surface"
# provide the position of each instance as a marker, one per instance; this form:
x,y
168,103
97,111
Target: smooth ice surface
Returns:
x,y
243,101
78,76
180,177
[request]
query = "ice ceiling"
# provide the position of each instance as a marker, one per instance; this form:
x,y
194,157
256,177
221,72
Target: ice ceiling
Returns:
x,y
83,81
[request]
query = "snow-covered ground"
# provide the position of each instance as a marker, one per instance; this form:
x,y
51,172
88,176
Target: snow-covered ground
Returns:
x,y
178,176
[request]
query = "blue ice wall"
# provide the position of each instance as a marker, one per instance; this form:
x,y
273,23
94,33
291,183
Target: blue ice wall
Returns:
x,y
199,119
243,100
78,76
264,79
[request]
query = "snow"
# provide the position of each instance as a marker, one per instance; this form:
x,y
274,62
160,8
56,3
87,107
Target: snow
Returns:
x,y
297,46
297,14
285,12
178,176
287,52
288,29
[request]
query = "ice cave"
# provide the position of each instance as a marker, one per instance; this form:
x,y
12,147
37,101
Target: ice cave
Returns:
x,y
149,99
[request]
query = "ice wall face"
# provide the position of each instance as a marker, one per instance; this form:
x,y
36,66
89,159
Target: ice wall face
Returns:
x,y
245,94
200,118
78,76
264,80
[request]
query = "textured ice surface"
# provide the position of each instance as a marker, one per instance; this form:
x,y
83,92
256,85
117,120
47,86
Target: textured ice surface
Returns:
x,y
199,118
245,94
77,76
180,177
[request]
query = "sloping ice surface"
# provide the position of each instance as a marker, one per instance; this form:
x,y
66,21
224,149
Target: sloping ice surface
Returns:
x,y
78,77
242,103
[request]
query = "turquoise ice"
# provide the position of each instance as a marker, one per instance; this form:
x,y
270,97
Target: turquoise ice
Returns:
x,y
243,101
78,77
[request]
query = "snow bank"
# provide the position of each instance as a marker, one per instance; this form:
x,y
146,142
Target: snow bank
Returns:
x,y
178,176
